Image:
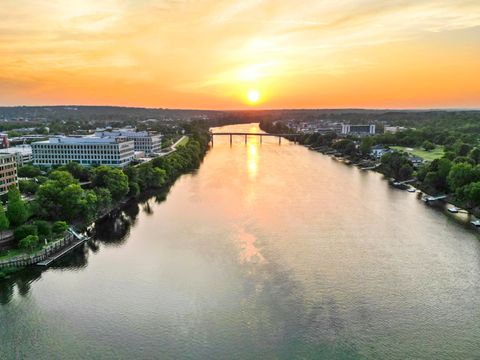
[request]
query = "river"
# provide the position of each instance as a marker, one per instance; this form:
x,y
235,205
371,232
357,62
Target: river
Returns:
x,y
267,251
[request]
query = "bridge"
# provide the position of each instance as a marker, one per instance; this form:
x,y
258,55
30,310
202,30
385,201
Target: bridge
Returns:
x,y
247,134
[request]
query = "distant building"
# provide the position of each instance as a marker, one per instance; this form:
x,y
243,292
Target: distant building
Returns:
x,y
393,129
378,151
8,172
415,160
23,153
348,129
86,151
4,141
143,140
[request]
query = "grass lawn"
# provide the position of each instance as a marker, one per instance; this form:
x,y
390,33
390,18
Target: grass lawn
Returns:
x,y
10,253
426,155
184,141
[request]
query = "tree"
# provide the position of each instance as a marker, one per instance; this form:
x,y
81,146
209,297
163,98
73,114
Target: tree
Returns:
x,y
405,172
471,193
23,231
4,223
461,175
59,227
475,155
17,211
28,187
78,171
63,178
427,145
151,177
43,228
29,242
111,178
29,171
366,145
104,200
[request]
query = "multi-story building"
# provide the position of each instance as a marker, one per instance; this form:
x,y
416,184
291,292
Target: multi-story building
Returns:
x,y
143,140
8,172
23,153
348,129
83,150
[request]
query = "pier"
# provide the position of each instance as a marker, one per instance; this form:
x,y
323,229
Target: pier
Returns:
x,y
79,240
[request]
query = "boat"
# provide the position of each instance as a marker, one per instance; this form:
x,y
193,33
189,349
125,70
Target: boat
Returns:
x,y
411,189
475,222
452,209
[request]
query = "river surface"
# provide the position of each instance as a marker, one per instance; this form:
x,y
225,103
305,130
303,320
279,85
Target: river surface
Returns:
x,y
267,252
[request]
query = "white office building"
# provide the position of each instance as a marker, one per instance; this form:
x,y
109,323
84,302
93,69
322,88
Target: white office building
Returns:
x,y
143,140
23,153
348,129
86,151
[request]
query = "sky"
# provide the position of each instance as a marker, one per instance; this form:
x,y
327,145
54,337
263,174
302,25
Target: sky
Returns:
x,y
217,54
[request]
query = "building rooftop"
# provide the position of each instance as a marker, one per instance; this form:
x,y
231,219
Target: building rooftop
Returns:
x,y
85,140
24,149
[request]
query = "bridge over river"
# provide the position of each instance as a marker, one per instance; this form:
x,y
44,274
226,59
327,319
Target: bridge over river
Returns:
x,y
247,134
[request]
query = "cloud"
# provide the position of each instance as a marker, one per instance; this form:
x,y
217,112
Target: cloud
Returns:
x,y
202,46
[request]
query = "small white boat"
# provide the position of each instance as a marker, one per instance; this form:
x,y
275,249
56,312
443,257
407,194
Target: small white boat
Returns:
x,y
452,209
475,222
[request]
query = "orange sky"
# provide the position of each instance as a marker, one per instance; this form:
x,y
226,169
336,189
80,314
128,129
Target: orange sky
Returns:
x,y
211,54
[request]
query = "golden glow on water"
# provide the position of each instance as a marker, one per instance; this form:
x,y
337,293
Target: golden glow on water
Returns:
x,y
252,160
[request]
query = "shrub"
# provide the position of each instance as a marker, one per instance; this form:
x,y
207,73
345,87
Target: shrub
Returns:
x,y
59,227
43,228
29,243
23,231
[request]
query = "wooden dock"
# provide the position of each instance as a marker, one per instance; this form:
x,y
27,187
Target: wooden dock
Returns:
x,y
80,240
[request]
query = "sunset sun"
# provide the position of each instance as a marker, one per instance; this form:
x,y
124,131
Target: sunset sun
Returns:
x,y
253,96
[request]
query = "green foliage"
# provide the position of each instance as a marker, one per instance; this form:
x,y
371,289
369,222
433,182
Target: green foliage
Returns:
x,y
63,178
62,194
29,242
366,145
111,178
151,177
24,231
396,165
78,171
4,223
44,229
29,171
28,187
475,155
104,200
462,174
428,145
59,227
17,211
345,146
470,193
436,175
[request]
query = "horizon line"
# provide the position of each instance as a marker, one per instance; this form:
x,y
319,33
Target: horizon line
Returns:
x,y
252,109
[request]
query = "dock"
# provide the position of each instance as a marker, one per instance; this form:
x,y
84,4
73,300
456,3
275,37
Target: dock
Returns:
x,y
80,239
434,198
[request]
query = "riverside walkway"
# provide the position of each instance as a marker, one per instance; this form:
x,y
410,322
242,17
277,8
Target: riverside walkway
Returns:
x,y
80,239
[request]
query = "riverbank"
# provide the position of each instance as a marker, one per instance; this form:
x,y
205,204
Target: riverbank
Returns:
x,y
185,156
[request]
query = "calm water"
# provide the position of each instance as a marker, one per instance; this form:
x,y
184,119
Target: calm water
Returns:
x,y
266,252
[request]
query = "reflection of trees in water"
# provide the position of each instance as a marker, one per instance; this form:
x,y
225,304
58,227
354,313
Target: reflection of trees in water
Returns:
x,y
20,280
113,230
